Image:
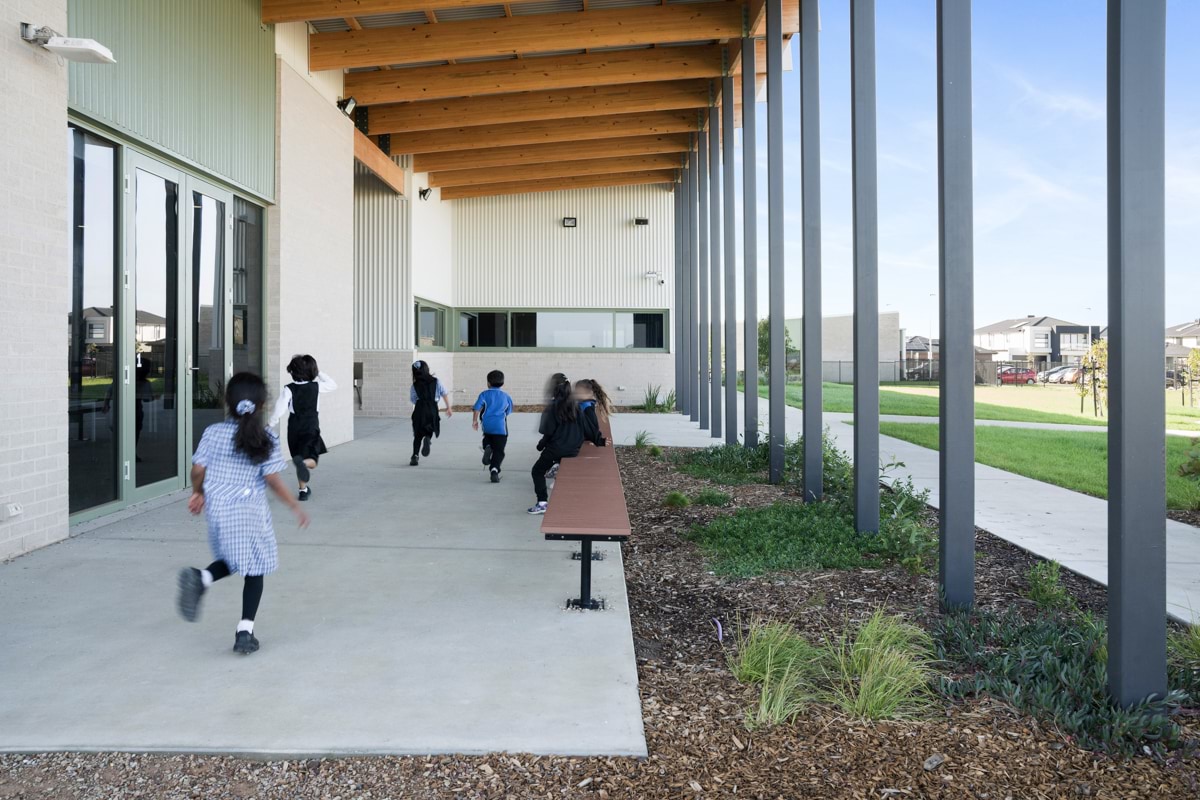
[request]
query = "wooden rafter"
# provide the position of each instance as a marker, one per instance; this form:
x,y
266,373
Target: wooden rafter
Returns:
x,y
554,151
535,74
559,169
557,184
546,131
532,106
374,159
409,44
307,10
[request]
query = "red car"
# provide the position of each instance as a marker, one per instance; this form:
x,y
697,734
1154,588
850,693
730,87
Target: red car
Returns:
x,y
1018,375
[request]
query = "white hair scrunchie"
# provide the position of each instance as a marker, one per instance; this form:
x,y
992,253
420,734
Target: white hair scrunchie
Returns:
x,y
245,407
417,364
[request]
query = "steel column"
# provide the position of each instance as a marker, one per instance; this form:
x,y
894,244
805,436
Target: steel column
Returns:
x,y
677,281
702,245
810,190
682,312
777,355
694,282
750,245
714,239
956,301
728,128
1137,574
866,266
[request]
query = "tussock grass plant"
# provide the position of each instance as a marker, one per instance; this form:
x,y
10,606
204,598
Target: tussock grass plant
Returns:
x,y
767,645
711,497
727,464
651,404
1054,667
883,671
642,440
1183,660
781,697
676,500
1046,589
655,451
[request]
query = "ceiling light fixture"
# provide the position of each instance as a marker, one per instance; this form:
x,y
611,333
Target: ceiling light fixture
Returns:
x,y
347,105
570,222
87,51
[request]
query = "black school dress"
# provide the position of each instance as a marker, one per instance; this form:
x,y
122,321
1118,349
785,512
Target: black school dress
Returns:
x,y
426,420
304,428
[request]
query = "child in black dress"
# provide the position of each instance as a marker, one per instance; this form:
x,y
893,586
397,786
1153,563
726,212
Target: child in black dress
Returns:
x,y
300,398
563,432
425,393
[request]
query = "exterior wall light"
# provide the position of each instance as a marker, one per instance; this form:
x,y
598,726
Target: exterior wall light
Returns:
x,y
569,222
424,193
641,221
347,105
87,51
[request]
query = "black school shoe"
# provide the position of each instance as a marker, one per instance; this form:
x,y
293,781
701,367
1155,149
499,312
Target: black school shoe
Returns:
x,y
412,462
245,643
191,589
487,455
425,446
495,476
304,494
301,468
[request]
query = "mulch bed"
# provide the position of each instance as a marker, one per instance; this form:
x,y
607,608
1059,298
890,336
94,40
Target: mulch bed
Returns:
x,y
693,708
1186,517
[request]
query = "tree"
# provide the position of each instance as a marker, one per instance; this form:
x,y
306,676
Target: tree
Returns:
x,y
1193,373
1097,359
764,344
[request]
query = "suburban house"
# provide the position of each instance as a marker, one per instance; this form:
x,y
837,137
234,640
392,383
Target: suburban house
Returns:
x,y
1038,340
1186,334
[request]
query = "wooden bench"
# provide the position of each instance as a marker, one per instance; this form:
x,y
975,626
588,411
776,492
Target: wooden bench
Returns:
x,y
588,505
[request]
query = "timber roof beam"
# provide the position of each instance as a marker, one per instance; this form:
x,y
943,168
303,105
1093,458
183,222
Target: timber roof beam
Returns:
x,y
558,184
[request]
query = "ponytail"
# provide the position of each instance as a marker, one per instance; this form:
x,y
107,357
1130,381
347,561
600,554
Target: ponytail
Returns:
x,y
603,401
245,397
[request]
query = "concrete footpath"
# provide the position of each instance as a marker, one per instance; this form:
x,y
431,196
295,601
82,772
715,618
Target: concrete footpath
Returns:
x,y
422,612
1052,522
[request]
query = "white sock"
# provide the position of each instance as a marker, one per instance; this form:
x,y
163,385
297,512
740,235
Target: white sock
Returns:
x,y
246,625
206,578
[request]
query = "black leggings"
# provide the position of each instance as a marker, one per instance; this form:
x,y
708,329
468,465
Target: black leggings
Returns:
x,y
252,589
417,440
545,461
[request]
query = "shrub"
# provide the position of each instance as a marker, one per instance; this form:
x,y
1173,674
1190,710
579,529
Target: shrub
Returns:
x,y
728,464
670,402
1191,467
884,672
906,542
1054,668
1045,588
1183,660
642,439
649,402
711,497
676,500
783,663
655,451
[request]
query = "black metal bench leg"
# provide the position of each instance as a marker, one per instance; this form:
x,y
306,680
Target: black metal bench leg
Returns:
x,y
585,580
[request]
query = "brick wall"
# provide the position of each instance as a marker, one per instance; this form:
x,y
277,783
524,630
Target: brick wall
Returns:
x,y
34,275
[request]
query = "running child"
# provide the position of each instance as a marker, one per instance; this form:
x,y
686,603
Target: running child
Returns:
x,y
235,462
492,410
563,434
425,393
300,400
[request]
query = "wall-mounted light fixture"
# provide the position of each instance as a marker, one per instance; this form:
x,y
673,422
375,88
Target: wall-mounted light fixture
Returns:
x,y
570,222
87,51
424,193
641,221
347,105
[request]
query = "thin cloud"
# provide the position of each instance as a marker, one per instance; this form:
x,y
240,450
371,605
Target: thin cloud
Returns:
x,y
1074,105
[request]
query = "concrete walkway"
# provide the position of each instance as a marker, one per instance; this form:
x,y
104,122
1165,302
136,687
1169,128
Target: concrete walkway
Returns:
x,y
421,612
1052,522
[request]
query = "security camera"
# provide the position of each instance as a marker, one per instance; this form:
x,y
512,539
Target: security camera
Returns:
x,y
661,282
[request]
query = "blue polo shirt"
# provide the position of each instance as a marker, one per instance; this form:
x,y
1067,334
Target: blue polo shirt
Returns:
x,y
495,405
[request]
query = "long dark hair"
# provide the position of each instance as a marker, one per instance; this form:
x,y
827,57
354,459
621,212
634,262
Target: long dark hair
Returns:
x,y
245,397
562,402
421,373
603,401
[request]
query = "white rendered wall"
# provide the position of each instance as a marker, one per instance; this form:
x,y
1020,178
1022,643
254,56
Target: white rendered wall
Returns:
x,y
35,264
433,243
513,251
310,247
291,45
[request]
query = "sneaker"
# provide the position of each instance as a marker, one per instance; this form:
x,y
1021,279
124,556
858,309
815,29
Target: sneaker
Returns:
x,y
495,476
412,462
191,589
552,472
487,454
301,468
538,508
245,643
304,494
425,446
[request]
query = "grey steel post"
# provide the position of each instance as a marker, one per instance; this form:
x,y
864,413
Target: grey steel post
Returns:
x,y
694,281
714,239
750,243
677,281
777,355
682,312
866,266
810,190
956,313
1137,574
730,238
702,245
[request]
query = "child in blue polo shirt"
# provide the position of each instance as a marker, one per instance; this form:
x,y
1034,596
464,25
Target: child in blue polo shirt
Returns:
x,y
492,410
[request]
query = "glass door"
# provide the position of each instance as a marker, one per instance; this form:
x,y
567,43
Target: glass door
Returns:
x,y
209,366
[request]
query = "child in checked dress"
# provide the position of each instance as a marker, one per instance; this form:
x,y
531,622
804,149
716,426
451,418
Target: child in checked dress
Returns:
x,y
234,464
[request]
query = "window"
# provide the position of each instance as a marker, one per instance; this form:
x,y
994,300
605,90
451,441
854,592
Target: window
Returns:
x,y
96,332
1041,341
640,330
247,286
483,329
431,325
583,329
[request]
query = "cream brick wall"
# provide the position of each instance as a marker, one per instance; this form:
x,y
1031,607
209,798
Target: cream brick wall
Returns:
x,y
34,274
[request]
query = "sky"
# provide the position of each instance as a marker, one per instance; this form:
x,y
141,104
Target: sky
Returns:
x,y
1040,162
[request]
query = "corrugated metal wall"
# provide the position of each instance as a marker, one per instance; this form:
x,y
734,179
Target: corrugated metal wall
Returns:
x,y
196,80
383,297
513,252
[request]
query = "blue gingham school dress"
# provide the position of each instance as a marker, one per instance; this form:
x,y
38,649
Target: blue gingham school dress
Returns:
x,y
235,501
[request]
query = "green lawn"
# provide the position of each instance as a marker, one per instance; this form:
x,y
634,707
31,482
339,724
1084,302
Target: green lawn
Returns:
x,y
1076,460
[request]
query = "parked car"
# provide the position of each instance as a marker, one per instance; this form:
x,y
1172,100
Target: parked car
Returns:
x,y
1177,379
1018,375
1047,376
1070,375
